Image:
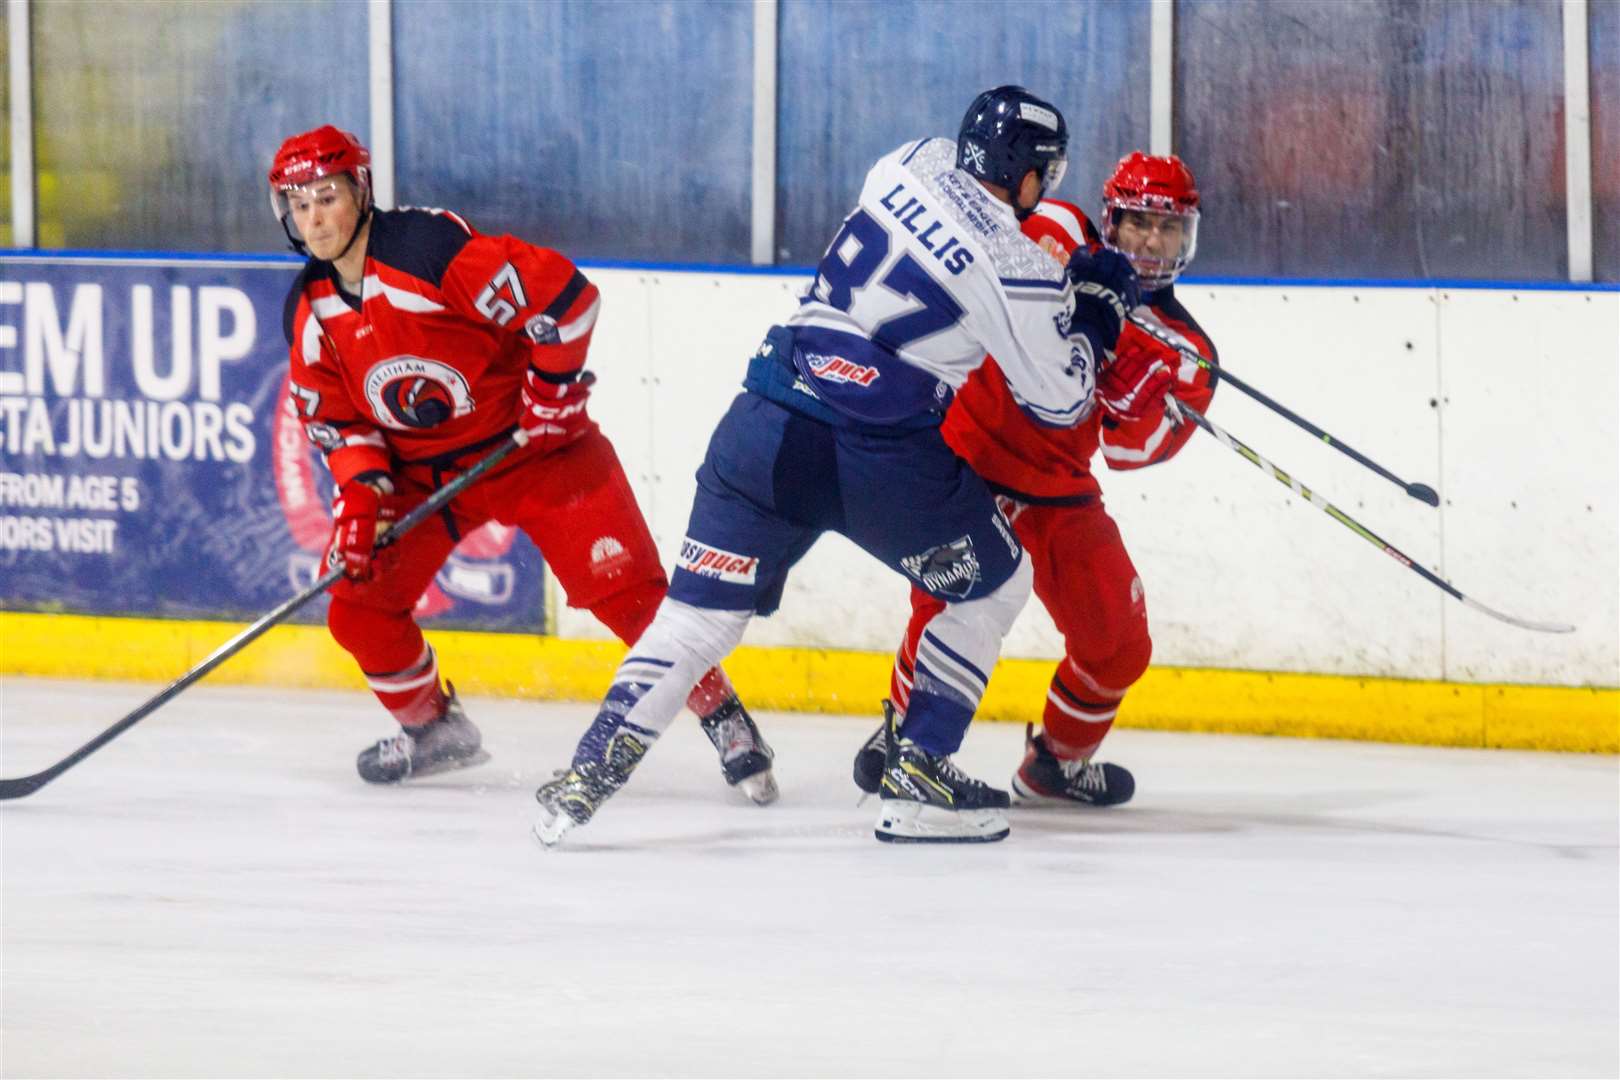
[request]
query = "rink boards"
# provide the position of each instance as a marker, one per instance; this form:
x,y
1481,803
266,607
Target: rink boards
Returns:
x,y
1267,615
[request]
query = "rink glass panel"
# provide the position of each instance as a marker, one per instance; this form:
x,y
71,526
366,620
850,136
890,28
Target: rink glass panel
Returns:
x,y
1604,43
6,238
858,80
605,130
154,124
1374,138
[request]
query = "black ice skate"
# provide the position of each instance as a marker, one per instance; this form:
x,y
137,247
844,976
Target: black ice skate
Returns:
x,y
745,756
574,797
928,800
874,752
1043,777
450,742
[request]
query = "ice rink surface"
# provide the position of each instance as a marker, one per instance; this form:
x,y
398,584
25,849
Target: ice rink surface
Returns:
x,y
216,894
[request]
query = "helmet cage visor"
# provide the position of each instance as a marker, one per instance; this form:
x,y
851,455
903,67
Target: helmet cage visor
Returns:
x,y
1052,174
1175,227
287,199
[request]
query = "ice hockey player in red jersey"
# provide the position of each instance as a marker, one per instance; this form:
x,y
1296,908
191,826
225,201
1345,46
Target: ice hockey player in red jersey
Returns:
x,y
1044,482
417,346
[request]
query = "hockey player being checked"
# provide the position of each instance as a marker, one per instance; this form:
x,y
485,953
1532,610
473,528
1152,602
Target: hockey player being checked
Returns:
x,y
838,429
417,345
1042,477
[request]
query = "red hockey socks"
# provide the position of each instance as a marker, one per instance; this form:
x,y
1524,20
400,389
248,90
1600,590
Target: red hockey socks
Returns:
x,y
1079,712
711,692
413,695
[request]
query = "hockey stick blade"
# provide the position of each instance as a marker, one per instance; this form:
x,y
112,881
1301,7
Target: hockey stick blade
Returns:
x,y
1316,500
1423,493
26,785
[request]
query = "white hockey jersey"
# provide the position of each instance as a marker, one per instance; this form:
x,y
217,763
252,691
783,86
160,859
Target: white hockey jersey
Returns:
x,y
928,274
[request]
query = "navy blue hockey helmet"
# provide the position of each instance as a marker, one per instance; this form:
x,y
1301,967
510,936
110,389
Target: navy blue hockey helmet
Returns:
x,y
1007,132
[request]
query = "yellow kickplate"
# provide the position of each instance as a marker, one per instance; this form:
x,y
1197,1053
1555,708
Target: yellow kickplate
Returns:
x,y
831,681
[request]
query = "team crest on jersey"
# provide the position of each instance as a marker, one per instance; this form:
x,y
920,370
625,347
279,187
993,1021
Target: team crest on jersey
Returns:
x,y
410,392
837,369
542,330
325,436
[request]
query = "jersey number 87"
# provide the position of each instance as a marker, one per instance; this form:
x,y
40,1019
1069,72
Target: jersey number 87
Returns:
x,y
853,260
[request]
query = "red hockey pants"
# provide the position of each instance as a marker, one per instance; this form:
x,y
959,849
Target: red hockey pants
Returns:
x,y
574,503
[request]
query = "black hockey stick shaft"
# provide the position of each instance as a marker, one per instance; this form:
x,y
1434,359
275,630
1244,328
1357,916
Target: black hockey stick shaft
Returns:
x,y
27,785
1421,492
1355,526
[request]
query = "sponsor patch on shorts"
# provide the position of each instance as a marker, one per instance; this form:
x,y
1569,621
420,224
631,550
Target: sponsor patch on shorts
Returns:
x,y
839,370
712,562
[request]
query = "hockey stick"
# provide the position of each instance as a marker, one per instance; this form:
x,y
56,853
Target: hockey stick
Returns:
x,y
27,785
1421,492
1355,526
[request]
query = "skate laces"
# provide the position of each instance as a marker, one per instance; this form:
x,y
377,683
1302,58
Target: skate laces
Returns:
x,y
948,770
395,748
736,737
1084,775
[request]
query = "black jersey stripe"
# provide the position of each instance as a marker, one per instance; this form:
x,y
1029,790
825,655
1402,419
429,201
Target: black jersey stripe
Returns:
x,y
565,299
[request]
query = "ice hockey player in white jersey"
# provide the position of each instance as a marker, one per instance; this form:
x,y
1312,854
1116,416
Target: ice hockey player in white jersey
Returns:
x,y
838,429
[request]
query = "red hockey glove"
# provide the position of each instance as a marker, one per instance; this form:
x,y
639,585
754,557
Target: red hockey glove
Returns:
x,y
554,412
1134,385
359,516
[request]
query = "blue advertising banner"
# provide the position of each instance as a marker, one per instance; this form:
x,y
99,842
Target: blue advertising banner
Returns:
x,y
150,463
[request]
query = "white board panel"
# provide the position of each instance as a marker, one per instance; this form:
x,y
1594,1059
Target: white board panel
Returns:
x,y
1239,572
1533,482
1242,573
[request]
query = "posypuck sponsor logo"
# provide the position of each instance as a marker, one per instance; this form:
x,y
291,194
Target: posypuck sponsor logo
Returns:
x,y
712,562
837,369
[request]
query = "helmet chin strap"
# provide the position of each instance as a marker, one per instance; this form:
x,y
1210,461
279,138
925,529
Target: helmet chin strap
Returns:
x,y
365,216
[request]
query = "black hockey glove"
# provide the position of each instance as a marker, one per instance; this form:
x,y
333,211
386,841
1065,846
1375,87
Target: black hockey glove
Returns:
x,y
1105,290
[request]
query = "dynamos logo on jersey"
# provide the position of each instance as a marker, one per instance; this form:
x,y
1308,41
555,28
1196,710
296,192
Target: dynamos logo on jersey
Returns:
x,y
712,562
410,392
837,369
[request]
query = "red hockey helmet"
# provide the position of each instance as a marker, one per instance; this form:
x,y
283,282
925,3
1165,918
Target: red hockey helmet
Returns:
x,y
1162,189
305,159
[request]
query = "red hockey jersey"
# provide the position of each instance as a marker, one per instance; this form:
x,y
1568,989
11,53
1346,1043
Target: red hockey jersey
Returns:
x,y
426,364
1034,463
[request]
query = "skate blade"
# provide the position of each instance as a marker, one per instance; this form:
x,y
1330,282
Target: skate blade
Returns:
x,y
551,828
905,822
449,765
760,788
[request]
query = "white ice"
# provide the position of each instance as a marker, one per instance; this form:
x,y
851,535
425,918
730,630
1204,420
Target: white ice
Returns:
x,y
216,894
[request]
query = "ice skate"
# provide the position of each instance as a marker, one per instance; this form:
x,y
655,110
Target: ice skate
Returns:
x,y
870,758
928,800
573,798
450,742
1045,778
745,756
